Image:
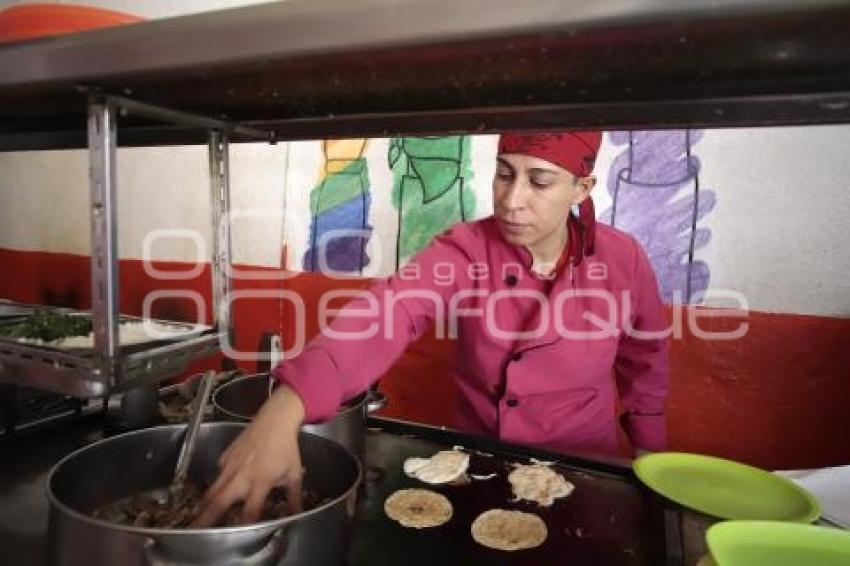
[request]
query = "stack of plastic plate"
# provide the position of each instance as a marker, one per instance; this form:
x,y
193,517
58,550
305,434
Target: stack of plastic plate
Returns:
x,y
768,514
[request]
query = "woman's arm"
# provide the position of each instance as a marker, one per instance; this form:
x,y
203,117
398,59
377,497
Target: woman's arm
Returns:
x,y
368,335
373,330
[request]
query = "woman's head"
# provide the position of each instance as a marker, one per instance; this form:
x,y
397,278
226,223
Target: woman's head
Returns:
x,y
538,179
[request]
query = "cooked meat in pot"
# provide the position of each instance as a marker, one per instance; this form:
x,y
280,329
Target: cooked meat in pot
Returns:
x,y
176,507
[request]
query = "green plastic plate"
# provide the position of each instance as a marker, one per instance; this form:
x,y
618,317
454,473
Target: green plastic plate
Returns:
x,y
726,489
774,543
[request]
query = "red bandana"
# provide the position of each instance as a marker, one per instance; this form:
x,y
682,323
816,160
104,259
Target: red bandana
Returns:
x,y
573,150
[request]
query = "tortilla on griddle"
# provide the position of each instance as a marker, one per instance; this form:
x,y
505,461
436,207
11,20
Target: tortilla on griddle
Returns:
x,y
443,467
418,508
539,483
502,529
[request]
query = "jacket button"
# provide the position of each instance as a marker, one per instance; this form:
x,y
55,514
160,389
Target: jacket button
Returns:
x,y
517,356
512,403
511,280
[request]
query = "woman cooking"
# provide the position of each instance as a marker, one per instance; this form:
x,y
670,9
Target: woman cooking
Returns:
x,y
558,321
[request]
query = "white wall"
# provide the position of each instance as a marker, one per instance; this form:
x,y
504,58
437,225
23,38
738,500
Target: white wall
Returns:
x,y
782,219
778,230
782,223
44,200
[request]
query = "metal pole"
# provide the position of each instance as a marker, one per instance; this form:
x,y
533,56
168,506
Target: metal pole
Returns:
x,y
220,207
102,141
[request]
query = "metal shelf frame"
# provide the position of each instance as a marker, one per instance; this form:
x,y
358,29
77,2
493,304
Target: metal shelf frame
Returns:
x,y
106,370
376,68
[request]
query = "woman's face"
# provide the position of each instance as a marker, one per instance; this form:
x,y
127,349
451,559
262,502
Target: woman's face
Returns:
x,y
532,198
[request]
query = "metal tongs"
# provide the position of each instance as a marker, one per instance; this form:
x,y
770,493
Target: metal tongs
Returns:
x,y
181,470
275,357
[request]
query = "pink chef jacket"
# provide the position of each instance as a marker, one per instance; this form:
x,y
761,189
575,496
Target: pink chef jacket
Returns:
x,y
532,367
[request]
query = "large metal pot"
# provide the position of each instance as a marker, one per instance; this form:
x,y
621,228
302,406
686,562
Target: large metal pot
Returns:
x,y
241,398
139,461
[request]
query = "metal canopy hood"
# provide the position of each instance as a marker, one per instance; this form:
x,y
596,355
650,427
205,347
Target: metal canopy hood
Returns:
x,y
310,69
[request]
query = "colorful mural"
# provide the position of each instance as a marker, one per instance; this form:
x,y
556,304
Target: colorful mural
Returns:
x,y
340,202
654,184
431,178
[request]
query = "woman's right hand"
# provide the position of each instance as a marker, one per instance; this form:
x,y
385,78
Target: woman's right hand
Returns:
x,y
264,456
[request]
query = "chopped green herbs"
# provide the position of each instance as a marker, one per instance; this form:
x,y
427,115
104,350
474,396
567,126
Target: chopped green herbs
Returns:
x,y
48,326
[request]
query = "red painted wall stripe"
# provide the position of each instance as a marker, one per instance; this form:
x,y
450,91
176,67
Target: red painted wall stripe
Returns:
x,y
779,397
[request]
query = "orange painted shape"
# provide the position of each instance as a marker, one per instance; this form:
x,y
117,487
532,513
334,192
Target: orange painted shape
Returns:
x,y
39,20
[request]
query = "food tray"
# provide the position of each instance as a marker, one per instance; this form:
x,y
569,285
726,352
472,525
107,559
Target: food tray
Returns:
x,y
176,331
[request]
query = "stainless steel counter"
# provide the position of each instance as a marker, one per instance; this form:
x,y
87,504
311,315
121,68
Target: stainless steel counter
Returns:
x,y
25,460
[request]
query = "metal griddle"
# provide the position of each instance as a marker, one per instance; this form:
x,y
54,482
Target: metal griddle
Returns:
x,y
609,519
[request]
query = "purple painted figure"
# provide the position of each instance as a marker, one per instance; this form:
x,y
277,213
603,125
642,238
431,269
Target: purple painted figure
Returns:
x,y
654,184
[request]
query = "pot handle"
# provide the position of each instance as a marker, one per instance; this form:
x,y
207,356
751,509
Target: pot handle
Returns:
x,y
375,401
270,553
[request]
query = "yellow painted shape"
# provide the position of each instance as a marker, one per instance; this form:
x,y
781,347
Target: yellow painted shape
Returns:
x,y
339,154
